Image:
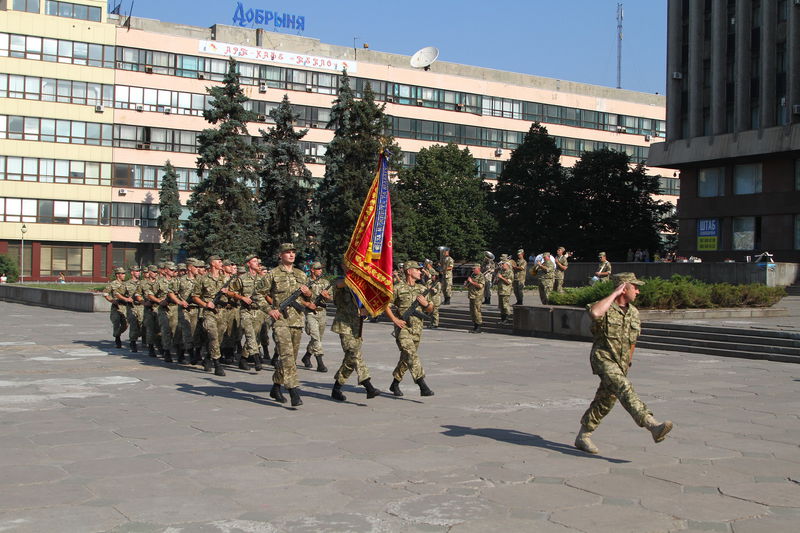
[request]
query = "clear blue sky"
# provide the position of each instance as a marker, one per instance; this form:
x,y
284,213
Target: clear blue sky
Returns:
x,y
572,40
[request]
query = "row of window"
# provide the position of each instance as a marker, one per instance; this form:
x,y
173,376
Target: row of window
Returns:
x,y
53,260
746,180
55,130
54,90
149,176
72,11
78,212
54,171
745,234
285,78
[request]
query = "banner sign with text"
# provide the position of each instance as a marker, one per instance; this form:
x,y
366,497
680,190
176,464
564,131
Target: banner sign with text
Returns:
x,y
251,53
707,235
264,17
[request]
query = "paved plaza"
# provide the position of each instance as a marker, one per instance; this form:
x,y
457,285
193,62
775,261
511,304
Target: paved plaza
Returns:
x,y
95,438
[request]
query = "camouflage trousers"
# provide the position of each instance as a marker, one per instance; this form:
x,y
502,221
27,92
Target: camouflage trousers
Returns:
x,y
353,360
232,332
287,343
251,321
545,288
504,304
214,325
118,319
614,384
407,339
187,323
263,332
519,287
151,327
437,301
171,337
315,328
558,284
487,289
447,286
135,316
475,310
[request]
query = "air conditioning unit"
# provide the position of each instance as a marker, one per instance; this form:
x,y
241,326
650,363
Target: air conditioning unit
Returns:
x,y
119,64
201,75
621,129
98,108
419,102
390,99
309,88
122,192
261,118
137,221
143,146
498,152
459,107
647,138
148,69
262,87
677,75
139,108
167,110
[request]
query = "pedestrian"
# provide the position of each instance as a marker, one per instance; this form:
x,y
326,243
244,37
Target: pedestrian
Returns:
x,y
562,264
475,284
616,326
316,317
520,267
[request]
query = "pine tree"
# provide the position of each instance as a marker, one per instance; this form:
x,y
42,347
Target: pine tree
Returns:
x,y
224,217
169,203
284,194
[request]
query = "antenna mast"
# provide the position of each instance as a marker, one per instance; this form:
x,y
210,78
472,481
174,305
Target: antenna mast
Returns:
x,y
619,46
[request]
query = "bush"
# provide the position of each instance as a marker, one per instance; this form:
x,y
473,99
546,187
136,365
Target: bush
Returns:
x,y
679,292
10,266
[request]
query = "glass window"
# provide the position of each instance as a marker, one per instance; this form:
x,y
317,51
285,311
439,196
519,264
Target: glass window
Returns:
x,y
711,182
747,179
745,233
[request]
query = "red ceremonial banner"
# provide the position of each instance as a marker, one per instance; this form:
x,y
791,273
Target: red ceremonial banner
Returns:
x,y
368,260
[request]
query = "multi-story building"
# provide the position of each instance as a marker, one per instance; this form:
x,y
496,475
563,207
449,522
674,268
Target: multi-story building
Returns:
x,y
733,126
91,109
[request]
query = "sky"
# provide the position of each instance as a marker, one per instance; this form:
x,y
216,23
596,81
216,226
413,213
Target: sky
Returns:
x,y
573,40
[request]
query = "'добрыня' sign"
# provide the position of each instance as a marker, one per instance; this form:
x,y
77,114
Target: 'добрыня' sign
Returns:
x,y
264,17
252,53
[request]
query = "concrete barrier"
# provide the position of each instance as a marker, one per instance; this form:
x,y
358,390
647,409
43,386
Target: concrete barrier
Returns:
x,y
71,300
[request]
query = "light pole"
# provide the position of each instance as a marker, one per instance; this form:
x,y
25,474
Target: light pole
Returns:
x,y
24,230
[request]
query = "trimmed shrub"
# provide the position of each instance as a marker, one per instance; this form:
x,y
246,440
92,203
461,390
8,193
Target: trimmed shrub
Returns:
x,y
10,266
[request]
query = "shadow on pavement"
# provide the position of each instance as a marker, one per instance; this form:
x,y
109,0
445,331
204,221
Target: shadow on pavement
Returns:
x,y
513,436
241,390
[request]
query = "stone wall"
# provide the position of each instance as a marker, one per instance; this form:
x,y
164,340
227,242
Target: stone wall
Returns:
x,y
58,299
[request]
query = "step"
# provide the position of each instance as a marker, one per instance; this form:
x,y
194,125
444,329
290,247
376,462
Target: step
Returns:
x,y
772,333
732,336
716,345
719,352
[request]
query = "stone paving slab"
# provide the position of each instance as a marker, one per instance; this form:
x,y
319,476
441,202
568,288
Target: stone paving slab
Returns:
x,y
99,439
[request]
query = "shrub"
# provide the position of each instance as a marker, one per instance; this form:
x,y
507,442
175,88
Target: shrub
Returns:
x,y
10,266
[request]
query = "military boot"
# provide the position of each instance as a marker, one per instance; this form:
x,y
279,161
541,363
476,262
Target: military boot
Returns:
x,y
584,442
371,391
181,356
275,359
658,429
134,348
117,342
244,364
336,393
265,348
276,394
395,388
503,318
257,362
198,356
218,370
294,394
227,356
151,351
207,364
423,388
167,356
320,365
446,301
306,360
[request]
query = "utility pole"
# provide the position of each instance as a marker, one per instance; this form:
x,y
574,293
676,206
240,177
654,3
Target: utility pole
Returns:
x,y
619,46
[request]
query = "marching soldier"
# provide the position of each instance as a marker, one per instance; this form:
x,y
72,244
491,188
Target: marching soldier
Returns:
x,y
545,271
151,326
475,283
245,289
231,338
408,334
113,293
315,319
266,305
431,278
505,278
134,310
520,267
167,311
188,311
488,269
562,264
447,264
211,294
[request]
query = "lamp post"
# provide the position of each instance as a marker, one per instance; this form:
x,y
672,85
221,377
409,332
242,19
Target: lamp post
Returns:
x,y
24,230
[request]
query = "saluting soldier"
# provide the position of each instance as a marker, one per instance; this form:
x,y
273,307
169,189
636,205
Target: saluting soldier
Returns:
x,y
408,334
113,293
210,293
133,304
316,317
245,290
475,283
520,267
505,278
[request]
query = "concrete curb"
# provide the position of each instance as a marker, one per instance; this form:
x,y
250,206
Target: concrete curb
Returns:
x,y
71,300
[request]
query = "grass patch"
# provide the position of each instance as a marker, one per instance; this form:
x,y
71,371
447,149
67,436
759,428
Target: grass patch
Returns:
x,y
74,287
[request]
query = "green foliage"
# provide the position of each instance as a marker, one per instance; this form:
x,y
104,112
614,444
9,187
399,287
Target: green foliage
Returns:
x,y
447,201
224,217
679,292
10,267
169,203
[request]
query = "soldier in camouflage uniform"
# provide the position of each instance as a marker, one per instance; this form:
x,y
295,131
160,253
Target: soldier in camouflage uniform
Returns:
x,y
562,264
316,318
211,294
266,322
245,289
134,310
520,267
475,283
151,327
408,334
431,279
167,311
505,278
348,323
113,293
545,271
616,326
229,314
488,268
603,268
447,276
281,282
188,311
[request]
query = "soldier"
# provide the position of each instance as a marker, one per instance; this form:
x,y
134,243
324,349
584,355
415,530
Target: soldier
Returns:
x,y
505,278
616,326
245,289
545,270
447,264
151,325
475,283
520,272
348,323
562,264
488,269
188,311
408,334
211,294
113,293
316,318
431,279
167,311
603,269
287,327
266,305
134,310
229,315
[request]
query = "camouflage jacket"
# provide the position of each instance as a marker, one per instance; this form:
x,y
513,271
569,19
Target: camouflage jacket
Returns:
x,y
320,285
474,292
615,333
404,296
279,284
504,287
559,274
248,284
519,275
347,320
206,288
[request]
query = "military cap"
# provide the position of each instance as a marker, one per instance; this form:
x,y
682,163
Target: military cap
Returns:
x,y
205,265
545,254
191,261
411,264
120,270
152,268
214,258
626,277
428,262
227,262
504,257
162,264
241,269
250,257
520,251
316,265
286,247
601,254
135,268
181,266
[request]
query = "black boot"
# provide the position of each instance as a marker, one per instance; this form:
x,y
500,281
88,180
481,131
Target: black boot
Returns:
x,y
207,364
395,388
151,351
320,365
274,360
244,364
117,342
218,370
306,360
474,328
181,356
294,394
371,391
257,362
336,394
198,356
227,356
446,301
167,356
423,388
134,348
265,348
478,328
276,394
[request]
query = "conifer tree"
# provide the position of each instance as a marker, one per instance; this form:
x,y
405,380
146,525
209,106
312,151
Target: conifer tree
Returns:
x,y
224,214
169,203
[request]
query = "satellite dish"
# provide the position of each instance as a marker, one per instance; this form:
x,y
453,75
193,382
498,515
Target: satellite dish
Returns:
x,y
424,57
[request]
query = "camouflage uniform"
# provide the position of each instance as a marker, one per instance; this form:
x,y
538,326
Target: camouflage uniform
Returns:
x,y
134,311
188,317
558,277
476,298
546,276
487,268
265,322
431,277
504,293
117,315
408,338
348,323
151,327
447,278
520,273
250,316
287,331
167,314
206,288
315,320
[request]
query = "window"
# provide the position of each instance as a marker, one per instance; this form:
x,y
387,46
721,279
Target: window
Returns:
x,y
31,6
71,260
746,233
53,211
747,179
711,182
70,10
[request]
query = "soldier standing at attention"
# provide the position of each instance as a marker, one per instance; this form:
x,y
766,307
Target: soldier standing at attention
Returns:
x,y
430,277
561,267
245,289
316,318
210,293
603,268
408,334
287,329
475,283
520,272
505,278
447,276
546,274
113,293
348,323
488,269
133,304
616,326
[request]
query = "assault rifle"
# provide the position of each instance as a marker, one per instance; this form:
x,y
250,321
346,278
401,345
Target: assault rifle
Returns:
x,y
291,301
218,296
413,309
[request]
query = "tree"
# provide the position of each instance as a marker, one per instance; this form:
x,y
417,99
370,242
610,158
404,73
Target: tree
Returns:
x,y
612,206
10,267
284,193
224,215
447,202
360,128
527,201
169,204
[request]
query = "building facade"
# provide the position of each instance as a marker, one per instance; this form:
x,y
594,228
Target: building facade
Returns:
x,y
91,108
733,126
